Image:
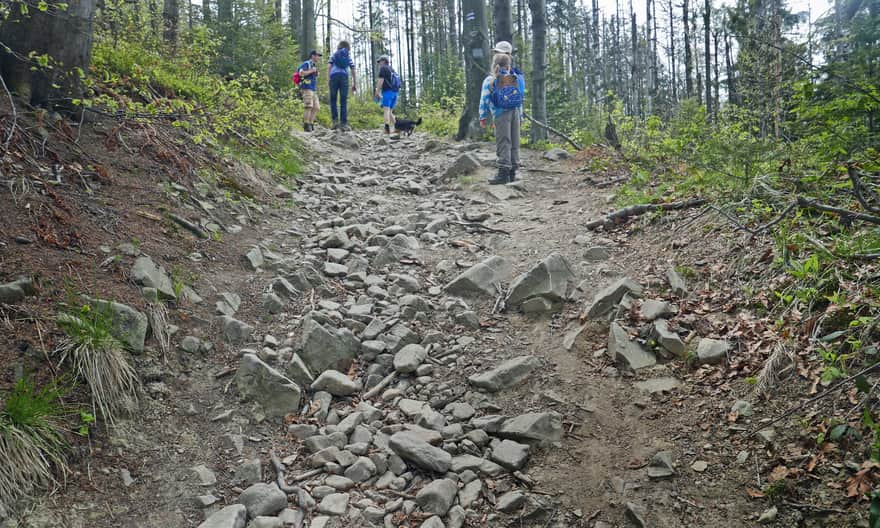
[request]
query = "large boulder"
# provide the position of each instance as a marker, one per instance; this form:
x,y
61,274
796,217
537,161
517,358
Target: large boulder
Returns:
x,y
259,382
323,349
148,274
533,428
626,353
505,375
548,280
481,279
610,296
413,448
128,325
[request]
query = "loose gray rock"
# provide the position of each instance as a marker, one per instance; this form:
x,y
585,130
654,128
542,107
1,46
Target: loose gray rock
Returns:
x,y
334,504
712,351
511,502
271,303
437,497
556,154
465,164
254,258
470,493
512,455
324,349
481,279
234,516
17,290
409,358
505,375
676,283
259,382
336,383
128,325
263,499
657,385
433,522
667,339
146,273
637,515
626,353
661,466
550,279
235,331
205,476
542,427
652,309
413,448
610,296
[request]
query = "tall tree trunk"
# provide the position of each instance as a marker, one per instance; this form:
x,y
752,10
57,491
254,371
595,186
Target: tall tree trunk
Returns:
x,y
294,12
64,34
277,14
688,60
170,21
328,37
155,20
674,79
309,31
538,9
707,52
453,28
732,96
206,11
717,81
635,82
189,14
503,18
224,12
476,58
411,48
374,40
648,33
696,55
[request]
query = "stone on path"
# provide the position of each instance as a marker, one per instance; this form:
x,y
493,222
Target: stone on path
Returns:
x,y
259,382
512,455
148,274
464,165
712,351
676,283
234,516
263,499
254,258
128,325
17,290
336,383
556,154
235,331
652,309
409,358
607,298
626,353
324,349
667,339
657,385
505,375
481,279
511,502
334,504
533,428
549,280
411,447
661,466
437,497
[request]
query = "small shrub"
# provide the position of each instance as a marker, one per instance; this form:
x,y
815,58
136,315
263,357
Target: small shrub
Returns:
x,y
31,440
99,359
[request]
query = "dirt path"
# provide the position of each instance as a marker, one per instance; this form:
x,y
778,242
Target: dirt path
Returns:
x,y
375,190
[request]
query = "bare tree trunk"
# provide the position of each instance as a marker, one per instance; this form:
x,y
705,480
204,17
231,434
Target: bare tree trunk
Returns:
x,y
374,41
294,11
688,61
309,31
224,11
206,11
189,14
717,81
476,57
707,52
503,18
328,37
453,28
538,9
154,16
170,21
64,34
277,14
674,80
732,96
648,33
696,55
635,102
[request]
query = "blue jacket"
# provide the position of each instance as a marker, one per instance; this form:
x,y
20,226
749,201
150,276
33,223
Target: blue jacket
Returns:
x,y
341,56
486,103
308,82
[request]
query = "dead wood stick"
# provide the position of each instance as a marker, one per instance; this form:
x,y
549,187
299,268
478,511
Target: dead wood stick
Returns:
x,y
370,394
551,129
477,225
621,215
279,474
802,405
809,203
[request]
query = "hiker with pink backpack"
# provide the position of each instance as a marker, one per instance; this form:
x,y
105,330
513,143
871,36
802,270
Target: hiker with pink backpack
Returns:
x,y
306,77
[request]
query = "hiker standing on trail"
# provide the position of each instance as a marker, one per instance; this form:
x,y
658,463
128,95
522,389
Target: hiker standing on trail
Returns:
x,y
338,72
308,83
502,96
387,88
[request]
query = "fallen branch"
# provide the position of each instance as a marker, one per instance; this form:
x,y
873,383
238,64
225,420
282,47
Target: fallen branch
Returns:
x,y
279,475
860,188
370,394
14,117
551,129
846,214
636,210
476,225
189,226
814,399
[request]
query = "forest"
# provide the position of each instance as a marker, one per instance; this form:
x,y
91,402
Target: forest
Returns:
x,y
760,119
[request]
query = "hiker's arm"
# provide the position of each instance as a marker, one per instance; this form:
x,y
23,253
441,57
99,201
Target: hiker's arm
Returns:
x,y
485,101
379,87
354,81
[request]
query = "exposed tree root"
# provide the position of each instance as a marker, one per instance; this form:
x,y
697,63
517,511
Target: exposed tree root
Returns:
x,y
620,216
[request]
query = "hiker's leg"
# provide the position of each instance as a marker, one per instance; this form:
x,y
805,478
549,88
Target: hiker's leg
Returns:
x,y
502,139
343,99
514,138
334,93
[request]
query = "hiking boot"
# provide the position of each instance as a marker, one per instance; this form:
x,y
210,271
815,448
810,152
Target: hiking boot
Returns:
x,y
345,128
395,137
306,127
511,175
335,126
387,130
502,178
311,127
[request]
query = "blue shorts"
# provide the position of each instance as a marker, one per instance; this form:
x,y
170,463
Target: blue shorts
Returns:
x,y
389,99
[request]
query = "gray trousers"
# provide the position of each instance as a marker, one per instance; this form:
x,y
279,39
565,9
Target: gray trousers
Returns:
x,y
507,139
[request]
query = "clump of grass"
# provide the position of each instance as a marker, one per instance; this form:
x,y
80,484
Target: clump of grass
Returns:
x,y
99,359
32,443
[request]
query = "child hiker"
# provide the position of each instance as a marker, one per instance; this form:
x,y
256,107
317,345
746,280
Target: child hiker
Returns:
x,y
338,72
502,96
308,73
387,88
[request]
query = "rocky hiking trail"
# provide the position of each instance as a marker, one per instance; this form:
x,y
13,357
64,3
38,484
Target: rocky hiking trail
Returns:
x,y
404,345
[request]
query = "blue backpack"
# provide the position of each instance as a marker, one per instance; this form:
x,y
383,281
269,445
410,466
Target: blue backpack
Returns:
x,y
340,58
506,93
395,83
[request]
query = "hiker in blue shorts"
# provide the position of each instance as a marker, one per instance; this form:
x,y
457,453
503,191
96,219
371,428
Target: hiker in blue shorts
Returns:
x,y
387,88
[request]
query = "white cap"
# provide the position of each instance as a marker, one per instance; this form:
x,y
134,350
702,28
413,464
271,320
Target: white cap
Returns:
x,y
503,47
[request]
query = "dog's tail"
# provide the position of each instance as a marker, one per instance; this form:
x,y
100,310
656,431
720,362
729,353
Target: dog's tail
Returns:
x,y
419,121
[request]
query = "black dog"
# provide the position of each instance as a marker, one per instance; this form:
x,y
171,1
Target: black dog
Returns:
x,y
406,126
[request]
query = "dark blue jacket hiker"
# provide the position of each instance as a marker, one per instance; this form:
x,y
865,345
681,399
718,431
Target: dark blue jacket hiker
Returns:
x,y
341,66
